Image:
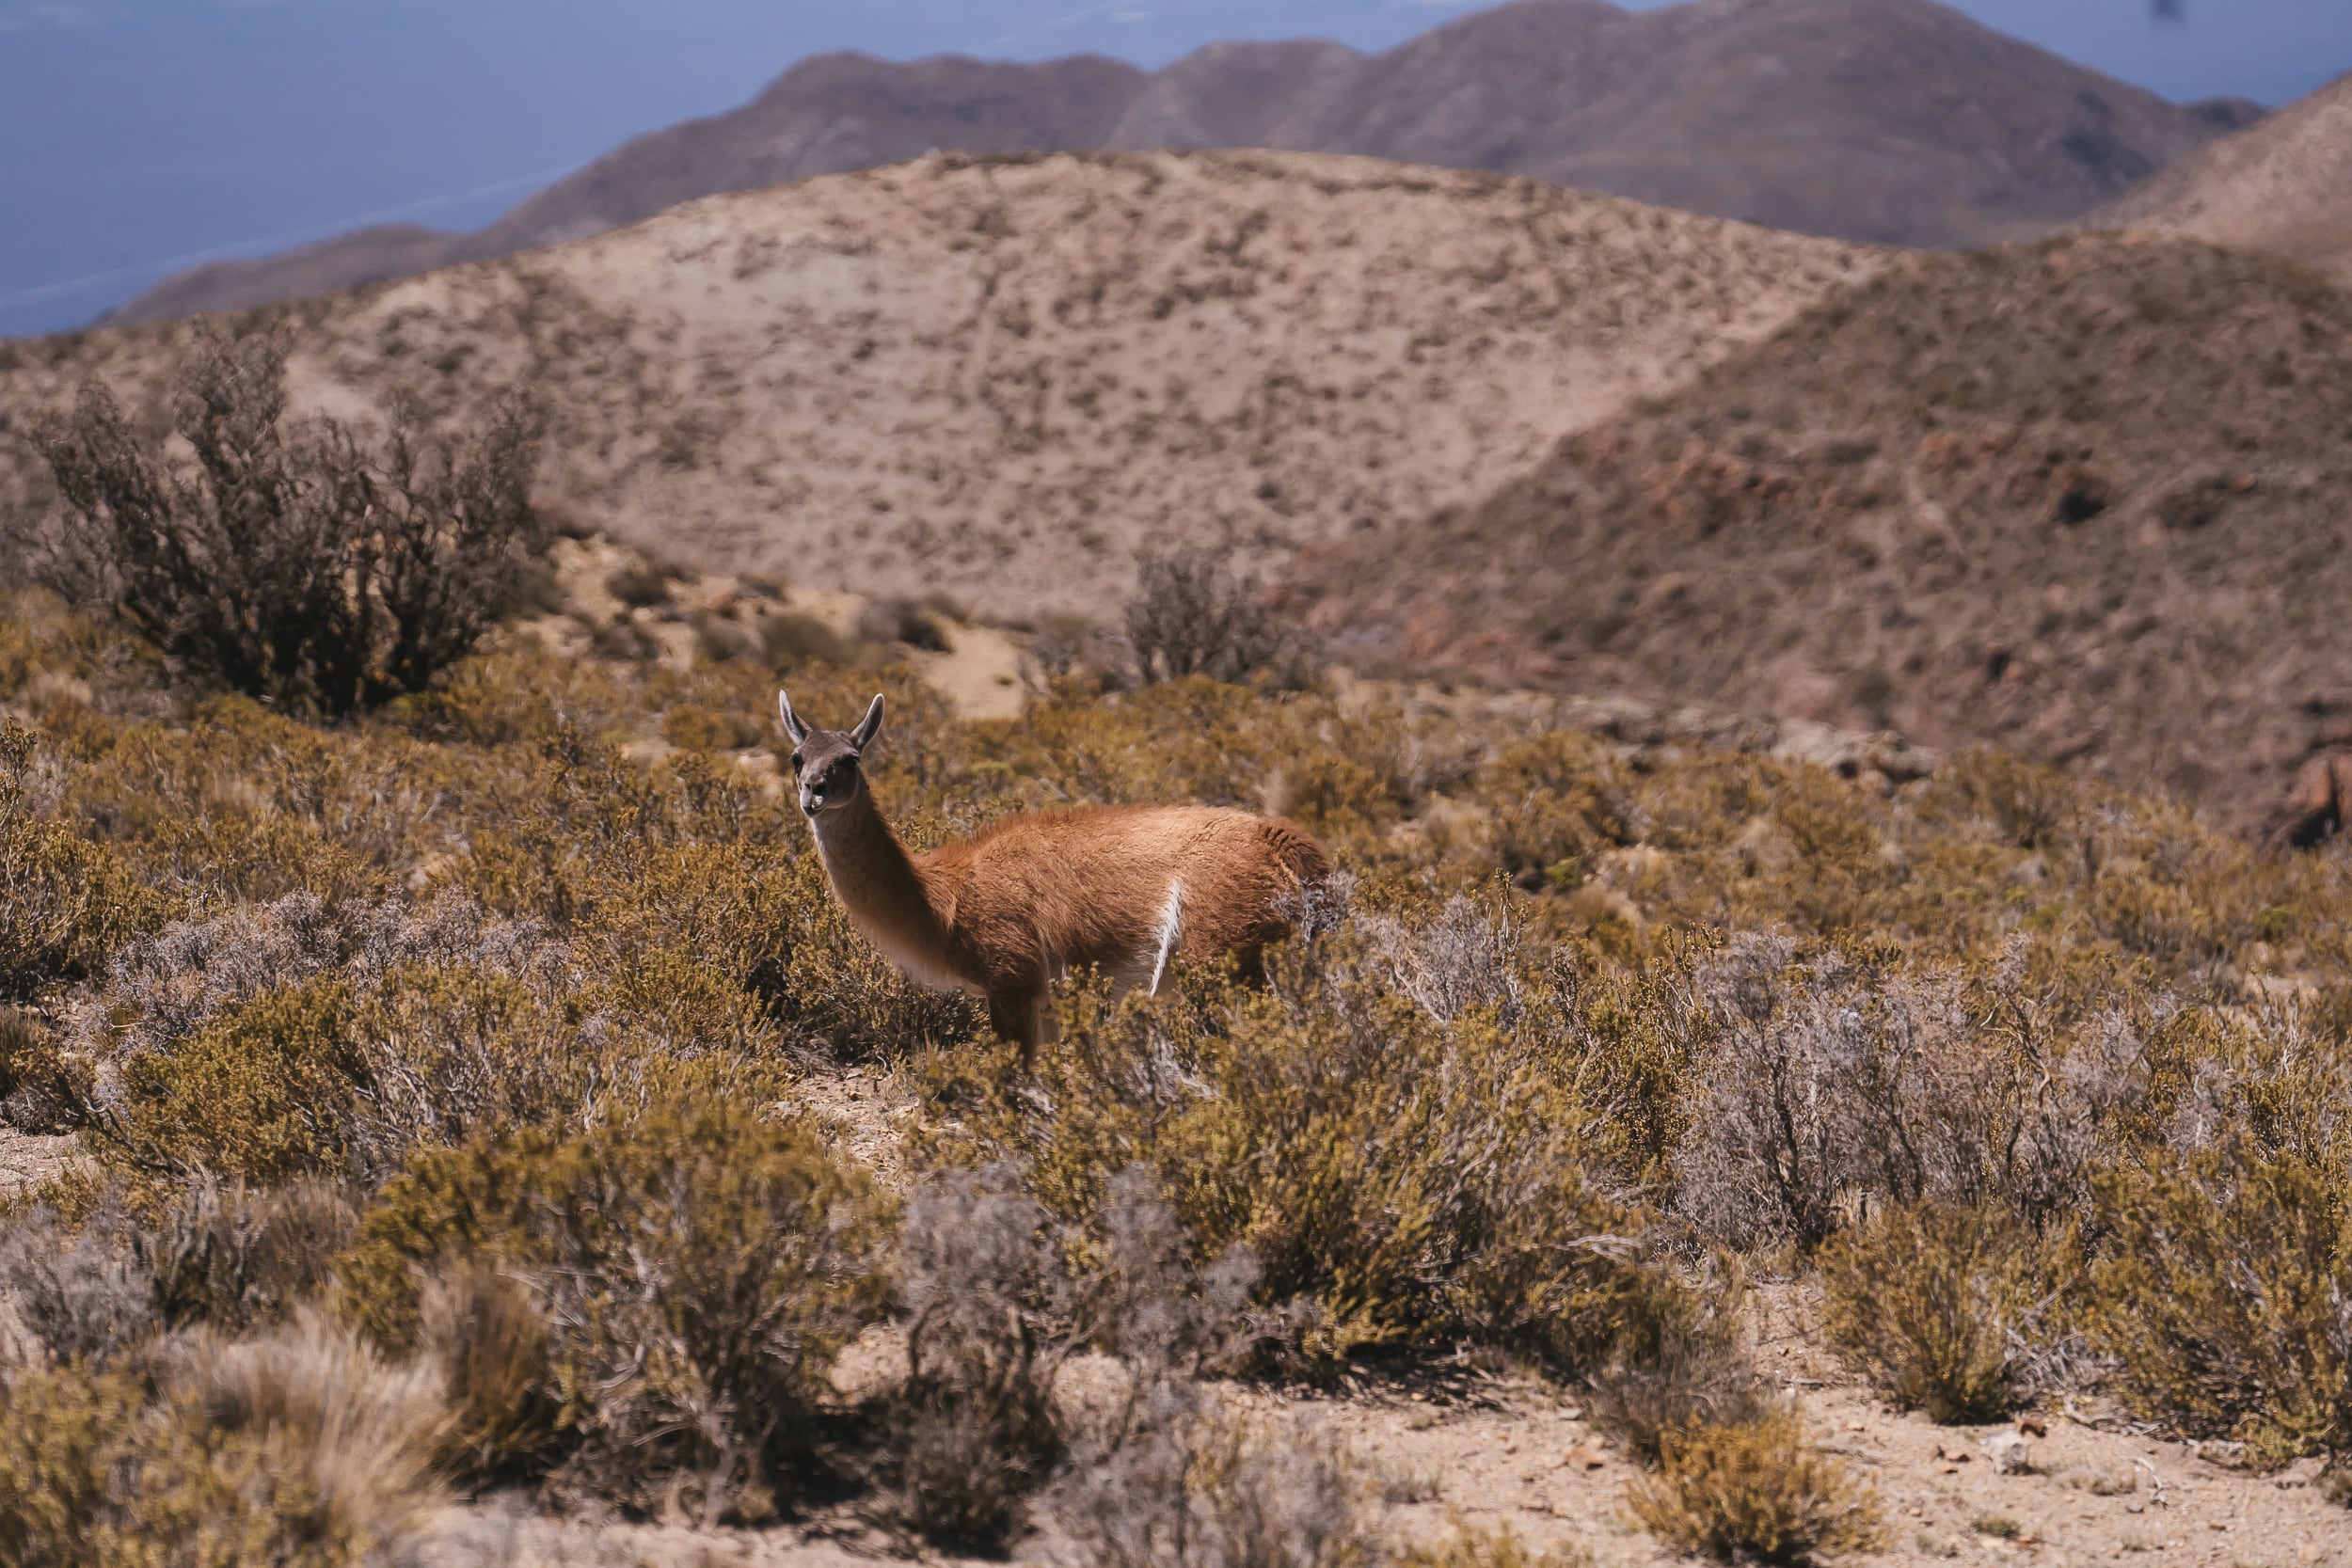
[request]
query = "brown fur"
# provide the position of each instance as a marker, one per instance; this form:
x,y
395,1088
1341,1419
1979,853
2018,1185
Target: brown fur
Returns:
x,y
1002,913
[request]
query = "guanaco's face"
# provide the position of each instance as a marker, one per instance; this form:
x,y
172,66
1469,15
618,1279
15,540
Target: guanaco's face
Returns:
x,y
825,762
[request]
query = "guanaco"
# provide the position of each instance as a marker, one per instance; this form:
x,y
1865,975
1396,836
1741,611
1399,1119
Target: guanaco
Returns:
x,y
1125,890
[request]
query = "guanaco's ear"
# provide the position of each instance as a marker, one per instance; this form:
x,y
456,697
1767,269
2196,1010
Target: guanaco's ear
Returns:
x,y
792,725
870,726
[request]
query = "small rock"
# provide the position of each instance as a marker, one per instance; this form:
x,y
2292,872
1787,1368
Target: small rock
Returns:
x,y
2303,1472
1584,1457
2033,1428
2009,1453
2213,1450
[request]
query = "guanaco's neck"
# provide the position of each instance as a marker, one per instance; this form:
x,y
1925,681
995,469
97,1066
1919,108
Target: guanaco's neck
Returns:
x,y
880,884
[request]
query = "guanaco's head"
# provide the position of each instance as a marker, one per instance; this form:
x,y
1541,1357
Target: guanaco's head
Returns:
x,y
824,762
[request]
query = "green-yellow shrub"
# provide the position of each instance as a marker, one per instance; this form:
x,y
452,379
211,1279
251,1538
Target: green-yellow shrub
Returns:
x,y
697,1267
2225,1292
1924,1303
1753,1491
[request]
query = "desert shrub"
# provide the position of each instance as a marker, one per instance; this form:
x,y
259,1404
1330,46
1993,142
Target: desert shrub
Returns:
x,y
1556,804
1417,1177
296,562
1754,1490
483,1331
1197,1485
66,902
792,638
218,1254
300,1449
329,1447
236,1257
1465,1545
79,1291
1830,1082
42,1089
698,1268
1190,616
2225,1292
642,584
1928,1303
695,728
901,621
974,1428
1691,1372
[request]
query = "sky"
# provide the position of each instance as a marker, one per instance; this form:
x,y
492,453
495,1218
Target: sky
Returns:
x,y
138,137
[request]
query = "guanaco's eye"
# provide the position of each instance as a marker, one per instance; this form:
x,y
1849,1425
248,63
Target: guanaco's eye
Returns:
x,y
796,762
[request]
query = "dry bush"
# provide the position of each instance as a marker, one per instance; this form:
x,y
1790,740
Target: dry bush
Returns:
x,y
901,621
234,1258
486,1335
65,901
220,1255
1755,1490
42,1089
1557,805
1929,1302
1830,1083
1692,1372
2225,1292
332,1448
1198,1487
973,1432
642,584
1465,1545
1419,1177
698,1268
296,562
793,641
79,1291
1190,616
300,1448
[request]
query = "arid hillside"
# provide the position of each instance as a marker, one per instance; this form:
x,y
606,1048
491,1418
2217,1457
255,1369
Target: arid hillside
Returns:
x,y
1894,121
1001,379
2084,501
2285,186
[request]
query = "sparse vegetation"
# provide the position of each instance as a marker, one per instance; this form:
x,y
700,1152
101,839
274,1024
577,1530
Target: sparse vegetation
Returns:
x,y
1191,616
298,561
1756,1490
460,1028
1929,1303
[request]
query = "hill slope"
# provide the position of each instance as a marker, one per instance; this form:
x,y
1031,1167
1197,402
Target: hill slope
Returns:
x,y
1002,378
2285,186
2085,500
1898,121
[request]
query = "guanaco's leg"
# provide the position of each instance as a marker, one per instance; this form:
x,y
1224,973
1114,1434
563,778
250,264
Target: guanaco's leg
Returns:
x,y
1021,1017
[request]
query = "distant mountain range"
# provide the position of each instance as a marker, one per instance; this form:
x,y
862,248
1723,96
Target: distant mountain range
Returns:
x,y
1896,121
2283,185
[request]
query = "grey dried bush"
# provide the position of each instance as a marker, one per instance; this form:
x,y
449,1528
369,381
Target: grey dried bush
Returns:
x,y
1830,1087
1191,616
973,1430
80,1293
1694,1372
1193,1485
295,561
222,1255
1143,1300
